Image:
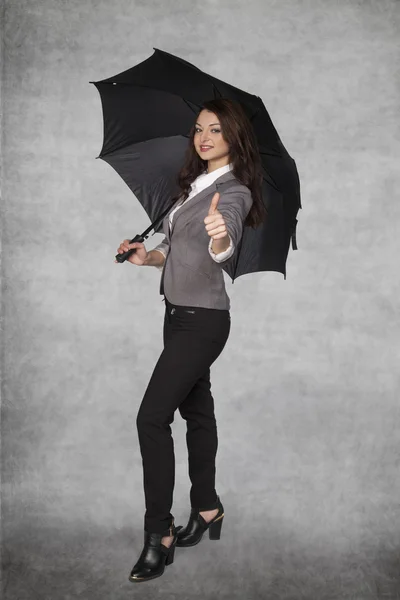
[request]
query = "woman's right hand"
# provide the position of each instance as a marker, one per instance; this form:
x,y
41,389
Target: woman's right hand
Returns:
x,y
136,258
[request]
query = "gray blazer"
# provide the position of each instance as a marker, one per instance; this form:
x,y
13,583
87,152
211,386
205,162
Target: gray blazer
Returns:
x,y
190,276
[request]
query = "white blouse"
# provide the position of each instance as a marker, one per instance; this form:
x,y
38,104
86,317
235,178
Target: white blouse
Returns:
x,y
201,182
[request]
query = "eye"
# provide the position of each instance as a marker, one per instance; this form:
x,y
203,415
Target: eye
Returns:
x,y
216,130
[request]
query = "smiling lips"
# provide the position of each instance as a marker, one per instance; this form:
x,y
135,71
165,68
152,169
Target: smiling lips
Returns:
x,y
205,148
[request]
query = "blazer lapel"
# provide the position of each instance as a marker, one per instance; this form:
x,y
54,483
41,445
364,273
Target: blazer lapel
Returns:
x,y
209,190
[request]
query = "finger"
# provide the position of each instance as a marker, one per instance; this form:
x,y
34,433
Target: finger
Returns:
x,y
213,221
219,236
218,230
214,203
128,246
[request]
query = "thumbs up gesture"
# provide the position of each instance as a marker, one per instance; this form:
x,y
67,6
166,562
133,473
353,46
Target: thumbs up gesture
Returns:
x,y
214,221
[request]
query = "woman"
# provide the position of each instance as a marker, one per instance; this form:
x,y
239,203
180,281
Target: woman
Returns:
x,y
220,192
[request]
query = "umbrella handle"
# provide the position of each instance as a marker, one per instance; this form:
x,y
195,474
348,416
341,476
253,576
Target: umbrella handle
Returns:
x,y
125,255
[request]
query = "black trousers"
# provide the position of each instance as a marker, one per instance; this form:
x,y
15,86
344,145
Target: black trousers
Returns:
x,y
193,339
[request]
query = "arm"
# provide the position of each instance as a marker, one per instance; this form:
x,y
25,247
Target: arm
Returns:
x,y
157,256
234,207
221,256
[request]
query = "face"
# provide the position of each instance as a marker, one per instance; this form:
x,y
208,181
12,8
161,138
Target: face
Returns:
x,y
208,133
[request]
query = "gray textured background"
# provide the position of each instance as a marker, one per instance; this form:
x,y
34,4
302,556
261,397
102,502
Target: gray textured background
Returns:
x,y
307,388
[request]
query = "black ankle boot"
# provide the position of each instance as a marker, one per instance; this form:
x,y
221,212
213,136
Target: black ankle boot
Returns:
x,y
154,556
197,526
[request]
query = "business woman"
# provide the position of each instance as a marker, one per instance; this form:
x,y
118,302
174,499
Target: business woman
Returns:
x,y
220,192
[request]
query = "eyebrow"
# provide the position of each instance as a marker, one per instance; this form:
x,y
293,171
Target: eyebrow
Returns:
x,y
210,124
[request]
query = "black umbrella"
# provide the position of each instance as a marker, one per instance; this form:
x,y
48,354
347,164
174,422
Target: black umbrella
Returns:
x,y
148,111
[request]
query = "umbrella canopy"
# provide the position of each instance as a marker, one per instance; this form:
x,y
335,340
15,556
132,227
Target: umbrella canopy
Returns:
x,y
148,111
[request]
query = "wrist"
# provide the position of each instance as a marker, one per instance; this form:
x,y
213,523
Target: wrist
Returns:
x,y
218,246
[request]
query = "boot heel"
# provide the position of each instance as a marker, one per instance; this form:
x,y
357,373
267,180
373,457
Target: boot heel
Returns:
x,y
214,530
170,557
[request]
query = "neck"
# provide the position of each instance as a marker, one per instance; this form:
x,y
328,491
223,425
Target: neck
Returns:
x,y
217,164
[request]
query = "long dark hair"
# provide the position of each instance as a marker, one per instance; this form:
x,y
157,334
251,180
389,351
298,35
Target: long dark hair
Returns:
x,y
239,134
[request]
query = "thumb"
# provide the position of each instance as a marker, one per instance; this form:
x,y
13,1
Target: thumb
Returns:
x,y
214,203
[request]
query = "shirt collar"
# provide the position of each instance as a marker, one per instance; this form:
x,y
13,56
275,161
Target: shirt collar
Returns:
x,y
206,179
218,172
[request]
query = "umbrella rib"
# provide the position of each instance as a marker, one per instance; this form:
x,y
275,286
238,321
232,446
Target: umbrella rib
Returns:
x,y
187,102
149,87
120,151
